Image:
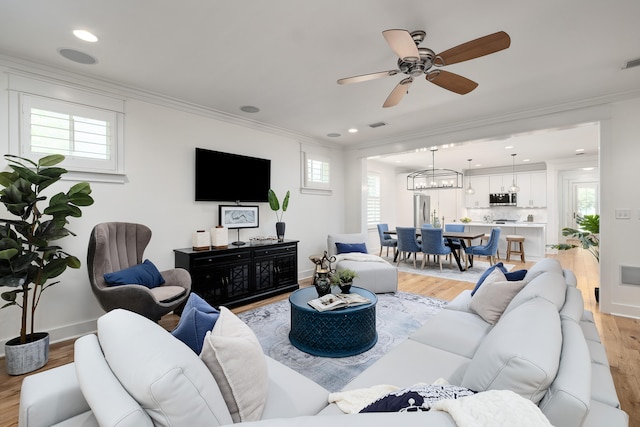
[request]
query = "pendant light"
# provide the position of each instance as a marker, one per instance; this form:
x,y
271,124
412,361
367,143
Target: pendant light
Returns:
x,y
469,191
514,188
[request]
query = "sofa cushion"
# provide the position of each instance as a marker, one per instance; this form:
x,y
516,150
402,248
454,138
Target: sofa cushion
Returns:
x,y
548,285
566,403
291,394
197,318
377,277
521,353
145,274
162,374
573,304
454,331
234,356
109,401
545,265
491,299
416,398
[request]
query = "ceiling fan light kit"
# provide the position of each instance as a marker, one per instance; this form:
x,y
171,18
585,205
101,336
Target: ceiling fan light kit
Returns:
x,y
415,61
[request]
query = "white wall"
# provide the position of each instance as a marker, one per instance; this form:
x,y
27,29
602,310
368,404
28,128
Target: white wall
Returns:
x,y
619,156
159,192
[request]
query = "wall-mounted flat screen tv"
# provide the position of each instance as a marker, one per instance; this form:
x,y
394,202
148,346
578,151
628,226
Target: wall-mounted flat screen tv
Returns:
x,y
227,177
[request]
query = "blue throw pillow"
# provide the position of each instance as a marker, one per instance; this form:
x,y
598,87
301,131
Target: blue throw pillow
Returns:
x,y
416,398
486,273
345,248
145,274
515,276
197,318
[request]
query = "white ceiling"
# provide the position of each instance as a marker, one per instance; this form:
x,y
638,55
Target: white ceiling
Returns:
x,y
284,57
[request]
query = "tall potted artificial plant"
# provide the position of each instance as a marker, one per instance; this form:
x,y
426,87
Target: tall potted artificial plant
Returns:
x,y
274,204
28,258
588,236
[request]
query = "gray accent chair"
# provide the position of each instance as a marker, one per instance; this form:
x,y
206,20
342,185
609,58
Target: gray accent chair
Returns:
x,y
114,246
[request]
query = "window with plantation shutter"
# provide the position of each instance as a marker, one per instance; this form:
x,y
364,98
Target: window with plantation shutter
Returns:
x,y
373,199
84,135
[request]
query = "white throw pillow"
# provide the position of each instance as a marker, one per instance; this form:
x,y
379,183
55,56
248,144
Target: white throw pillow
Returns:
x,y
234,356
493,297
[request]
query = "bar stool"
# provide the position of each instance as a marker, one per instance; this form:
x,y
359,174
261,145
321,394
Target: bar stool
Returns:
x,y
485,239
512,239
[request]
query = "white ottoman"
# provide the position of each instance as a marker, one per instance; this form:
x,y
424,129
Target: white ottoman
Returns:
x,y
377,276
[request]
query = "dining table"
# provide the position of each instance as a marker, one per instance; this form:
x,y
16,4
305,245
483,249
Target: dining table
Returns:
x,y
450,236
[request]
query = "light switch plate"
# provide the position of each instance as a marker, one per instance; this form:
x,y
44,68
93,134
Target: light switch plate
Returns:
x,y
623,213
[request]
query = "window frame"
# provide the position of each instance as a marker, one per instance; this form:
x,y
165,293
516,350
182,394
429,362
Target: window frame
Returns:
x,y
315,187
376,218
26,93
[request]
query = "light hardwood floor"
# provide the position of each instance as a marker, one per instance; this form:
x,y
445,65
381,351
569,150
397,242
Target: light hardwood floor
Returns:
x,y
619,334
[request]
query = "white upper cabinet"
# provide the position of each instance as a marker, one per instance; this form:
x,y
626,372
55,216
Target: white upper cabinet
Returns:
x,y
533,189
480,199
500,183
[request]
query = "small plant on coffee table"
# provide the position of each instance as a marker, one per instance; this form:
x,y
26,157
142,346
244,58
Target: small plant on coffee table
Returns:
x,y
343,279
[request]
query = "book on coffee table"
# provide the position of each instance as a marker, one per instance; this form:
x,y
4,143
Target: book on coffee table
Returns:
x,y
334,301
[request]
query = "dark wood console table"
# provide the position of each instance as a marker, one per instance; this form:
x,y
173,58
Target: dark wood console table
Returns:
x,y
239,275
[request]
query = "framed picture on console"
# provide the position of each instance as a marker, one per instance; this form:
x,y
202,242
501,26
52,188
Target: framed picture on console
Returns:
x,y
236,216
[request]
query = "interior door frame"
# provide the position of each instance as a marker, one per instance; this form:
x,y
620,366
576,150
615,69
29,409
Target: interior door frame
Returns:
x,y
569,181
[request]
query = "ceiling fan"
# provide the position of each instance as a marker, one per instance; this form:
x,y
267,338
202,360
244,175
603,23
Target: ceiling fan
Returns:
x,y
415,61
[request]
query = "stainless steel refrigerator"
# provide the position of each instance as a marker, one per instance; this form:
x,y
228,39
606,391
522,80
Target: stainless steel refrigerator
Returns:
x,y
421,208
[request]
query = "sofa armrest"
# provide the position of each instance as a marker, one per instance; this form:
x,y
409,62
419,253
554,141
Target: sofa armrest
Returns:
x,y
50,397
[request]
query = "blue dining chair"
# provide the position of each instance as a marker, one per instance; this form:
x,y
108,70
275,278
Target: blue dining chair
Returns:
x,y
386,239
433,244
407,243
488,250
456,228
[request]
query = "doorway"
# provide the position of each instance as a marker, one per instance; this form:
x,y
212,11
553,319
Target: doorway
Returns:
x,y
585,197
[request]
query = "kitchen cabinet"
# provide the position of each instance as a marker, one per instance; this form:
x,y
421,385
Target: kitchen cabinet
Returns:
x,y
533,189
480,199
500,183
241,274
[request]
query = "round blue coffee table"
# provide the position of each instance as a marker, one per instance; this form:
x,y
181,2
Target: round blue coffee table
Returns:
x,y
336,333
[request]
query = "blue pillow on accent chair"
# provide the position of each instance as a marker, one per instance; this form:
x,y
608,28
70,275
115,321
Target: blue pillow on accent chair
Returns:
x,y
344,248
145,274
197,318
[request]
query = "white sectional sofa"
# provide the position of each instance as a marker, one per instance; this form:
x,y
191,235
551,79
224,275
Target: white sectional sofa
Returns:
x,y
544,347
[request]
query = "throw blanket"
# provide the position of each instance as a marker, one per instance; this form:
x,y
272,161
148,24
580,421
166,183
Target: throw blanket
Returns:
x,y
493,408
358,256
352,401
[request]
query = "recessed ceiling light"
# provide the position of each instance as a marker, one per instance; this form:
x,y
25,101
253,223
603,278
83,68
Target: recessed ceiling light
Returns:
x,y
333,135
85,35
526,160
478,165
353,130
77,56
580,150
508,147
588,169
249,109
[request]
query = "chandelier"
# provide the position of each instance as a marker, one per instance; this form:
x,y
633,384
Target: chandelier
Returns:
x,y
434,179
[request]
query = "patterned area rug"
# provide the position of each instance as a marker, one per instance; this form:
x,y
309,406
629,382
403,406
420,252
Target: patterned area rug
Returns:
x,y
397,316
450,272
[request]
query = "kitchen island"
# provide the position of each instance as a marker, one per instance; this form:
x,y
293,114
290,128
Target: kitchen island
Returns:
x,y
533,232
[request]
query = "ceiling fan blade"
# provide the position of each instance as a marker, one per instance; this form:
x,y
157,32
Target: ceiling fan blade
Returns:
x,y
451,81
365,77
474,49
402,44
398,93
